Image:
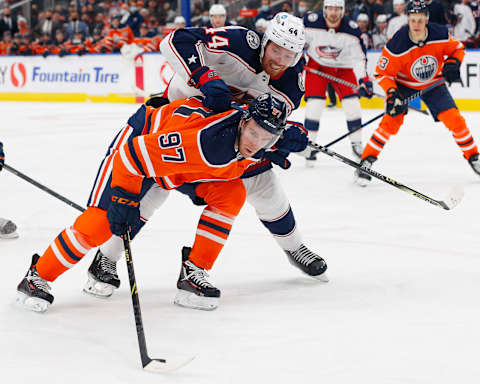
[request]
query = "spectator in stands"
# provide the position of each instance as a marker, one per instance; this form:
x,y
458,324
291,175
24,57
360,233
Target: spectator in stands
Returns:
x,y
179,22
169,13
85,17
8,22
302,9
265,11
217,16
23,27
362,21
62,12
47,24
153,7
261,25
204,21
153,25
464,28
135,19
379,37
6,43
399,20
100,22
145,32
287,7
75,25
372,9
436,12
59,44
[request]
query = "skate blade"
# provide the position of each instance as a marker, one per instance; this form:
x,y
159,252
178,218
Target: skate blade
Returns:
x,y
97,288
190,300
158,366
361,181
34,304
310,163
12,235
323,277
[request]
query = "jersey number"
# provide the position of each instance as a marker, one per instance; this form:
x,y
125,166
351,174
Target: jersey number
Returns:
x,y
172,140
382,62
217,41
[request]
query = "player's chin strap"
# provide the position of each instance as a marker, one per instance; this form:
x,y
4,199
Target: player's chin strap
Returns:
x,y
454,197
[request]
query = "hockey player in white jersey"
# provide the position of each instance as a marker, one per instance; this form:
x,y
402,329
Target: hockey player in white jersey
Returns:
x,y
397,22
240,64
336,48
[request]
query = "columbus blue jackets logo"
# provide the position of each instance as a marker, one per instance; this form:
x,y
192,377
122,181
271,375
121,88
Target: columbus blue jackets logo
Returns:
x,y
328,52
312,17
253,40
424,68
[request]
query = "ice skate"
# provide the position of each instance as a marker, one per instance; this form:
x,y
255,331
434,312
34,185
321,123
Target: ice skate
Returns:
x,y
8,229
474,162
194,290
311,159
362,178
357,149
33,292
102,277
308,262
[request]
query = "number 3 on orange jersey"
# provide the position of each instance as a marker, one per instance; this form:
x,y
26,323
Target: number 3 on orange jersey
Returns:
x,y
172,140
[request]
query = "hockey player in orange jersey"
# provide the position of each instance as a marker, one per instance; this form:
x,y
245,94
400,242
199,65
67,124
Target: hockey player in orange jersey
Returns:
x,y
182,142
417,56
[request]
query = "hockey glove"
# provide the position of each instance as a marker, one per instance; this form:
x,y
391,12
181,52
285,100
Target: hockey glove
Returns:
x,y
157,101
394,103
279,158
2,156
62,53
366,88
294,138
45,53
218,97
123,212
451,70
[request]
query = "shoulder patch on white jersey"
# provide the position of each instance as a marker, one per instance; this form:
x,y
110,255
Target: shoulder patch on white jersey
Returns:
x,y
353,24
312,17
253,40
301,83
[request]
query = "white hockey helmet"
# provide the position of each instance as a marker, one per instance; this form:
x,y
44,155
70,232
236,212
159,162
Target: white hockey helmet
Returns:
x,y
288,32
217,9
381,19
362,17
334,3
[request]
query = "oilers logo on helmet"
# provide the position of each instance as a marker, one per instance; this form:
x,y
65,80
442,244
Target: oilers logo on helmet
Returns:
x,y
424,68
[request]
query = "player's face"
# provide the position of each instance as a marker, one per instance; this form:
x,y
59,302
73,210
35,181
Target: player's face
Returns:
x,y
362,25
276,59
333,15
217,21
253,138
417,22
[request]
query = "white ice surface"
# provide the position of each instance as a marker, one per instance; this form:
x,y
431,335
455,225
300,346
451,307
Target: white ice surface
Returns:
x,y
401,305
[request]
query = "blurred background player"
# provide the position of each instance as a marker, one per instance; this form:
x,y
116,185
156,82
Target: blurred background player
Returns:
x,y
218,16
379,36
8,230
399,18
423,53
365,35
335,48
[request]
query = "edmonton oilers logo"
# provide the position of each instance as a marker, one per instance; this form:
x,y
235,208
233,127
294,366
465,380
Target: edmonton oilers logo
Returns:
x,y
424,68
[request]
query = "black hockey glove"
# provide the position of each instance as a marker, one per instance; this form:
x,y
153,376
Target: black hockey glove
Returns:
x,y
2,156
366,88
278,157
218,97
393,103
451,70
62,53
294,138
123,212
45,53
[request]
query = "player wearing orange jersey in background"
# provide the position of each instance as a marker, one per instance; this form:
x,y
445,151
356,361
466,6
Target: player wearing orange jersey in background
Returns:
x,y
117,36
417,56
182,141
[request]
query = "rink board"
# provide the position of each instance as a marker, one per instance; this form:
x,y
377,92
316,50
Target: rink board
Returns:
x,y
114,79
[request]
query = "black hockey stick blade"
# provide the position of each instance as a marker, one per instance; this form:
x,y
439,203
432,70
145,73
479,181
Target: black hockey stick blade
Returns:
x,y
162,366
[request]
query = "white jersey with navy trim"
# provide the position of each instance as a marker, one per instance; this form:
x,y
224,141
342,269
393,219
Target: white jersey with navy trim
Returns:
x,y
341,47
234,52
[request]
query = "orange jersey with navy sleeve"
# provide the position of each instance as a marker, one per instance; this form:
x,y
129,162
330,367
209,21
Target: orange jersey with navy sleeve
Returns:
x,y
416,65
182,142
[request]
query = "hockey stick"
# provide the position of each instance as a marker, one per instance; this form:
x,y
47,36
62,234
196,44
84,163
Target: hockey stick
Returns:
x,y
454,197
43,187
152,365
355,86
149,364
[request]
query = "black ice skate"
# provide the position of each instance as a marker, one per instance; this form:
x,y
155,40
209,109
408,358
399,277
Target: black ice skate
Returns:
x,y
102,277
8,229
308,262
33,291
194,291
474,162
312,158
362,178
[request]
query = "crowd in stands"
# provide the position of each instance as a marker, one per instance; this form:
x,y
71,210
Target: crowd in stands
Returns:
x,y
92,26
